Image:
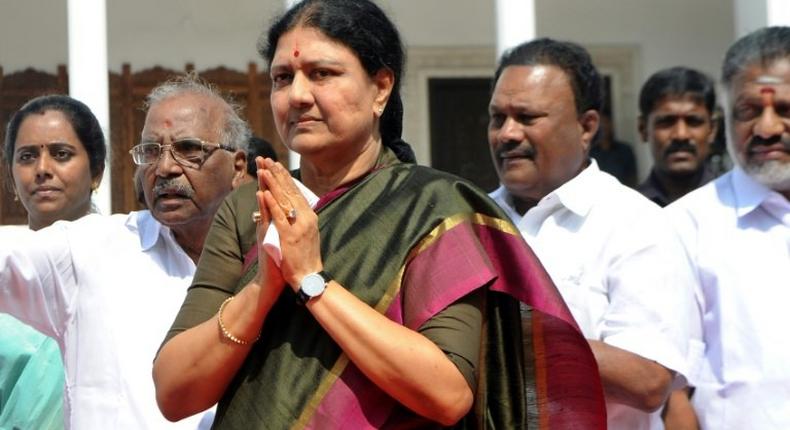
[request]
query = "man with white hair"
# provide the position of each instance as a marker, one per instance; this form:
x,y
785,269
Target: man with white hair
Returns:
x,y
108,287
736,230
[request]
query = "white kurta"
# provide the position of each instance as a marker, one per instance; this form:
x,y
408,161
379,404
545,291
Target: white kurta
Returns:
x,y
107,288
621,269
737,233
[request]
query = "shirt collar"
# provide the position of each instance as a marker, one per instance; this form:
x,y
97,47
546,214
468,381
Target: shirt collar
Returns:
x,y
148,228
577,195
749,194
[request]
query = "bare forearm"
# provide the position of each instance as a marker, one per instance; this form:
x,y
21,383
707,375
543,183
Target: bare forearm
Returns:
x,y
631,379
402,362
194,368
678,413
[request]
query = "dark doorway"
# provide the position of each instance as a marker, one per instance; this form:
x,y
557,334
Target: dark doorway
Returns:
x,y
459,122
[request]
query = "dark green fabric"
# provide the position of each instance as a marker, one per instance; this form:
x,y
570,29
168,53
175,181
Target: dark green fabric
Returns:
x,y
366,237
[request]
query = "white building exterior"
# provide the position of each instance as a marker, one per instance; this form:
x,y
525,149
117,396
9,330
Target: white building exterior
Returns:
x,y
629,40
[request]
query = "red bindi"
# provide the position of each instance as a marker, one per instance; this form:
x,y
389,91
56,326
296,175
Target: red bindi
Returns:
x,y
296,53
767,95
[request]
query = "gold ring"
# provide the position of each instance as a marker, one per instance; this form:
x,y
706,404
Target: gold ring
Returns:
x,y
256,217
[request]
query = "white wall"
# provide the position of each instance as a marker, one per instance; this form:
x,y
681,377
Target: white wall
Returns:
x,y
209,33
33,34
694,33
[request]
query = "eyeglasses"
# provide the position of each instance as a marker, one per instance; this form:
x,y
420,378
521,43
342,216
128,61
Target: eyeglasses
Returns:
x,y
191,152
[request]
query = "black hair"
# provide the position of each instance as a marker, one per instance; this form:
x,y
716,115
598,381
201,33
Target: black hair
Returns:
x,y
258,147
761,47
571,58
677,82
364,28
82,120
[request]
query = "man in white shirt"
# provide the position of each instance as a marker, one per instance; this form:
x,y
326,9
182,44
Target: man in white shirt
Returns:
x,y
612,255
736,231
108,287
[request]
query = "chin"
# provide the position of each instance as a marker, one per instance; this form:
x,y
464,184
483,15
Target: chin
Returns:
x,y
774,174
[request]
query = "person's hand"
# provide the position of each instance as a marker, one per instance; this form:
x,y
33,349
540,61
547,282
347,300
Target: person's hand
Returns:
x,y
296,223
269,276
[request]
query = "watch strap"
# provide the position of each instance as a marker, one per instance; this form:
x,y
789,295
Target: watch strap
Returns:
x,y
302,297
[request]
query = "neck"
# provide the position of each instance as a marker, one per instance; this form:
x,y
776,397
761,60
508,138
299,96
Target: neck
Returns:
x,y
192,236
37,223
677,186
322,175
523,205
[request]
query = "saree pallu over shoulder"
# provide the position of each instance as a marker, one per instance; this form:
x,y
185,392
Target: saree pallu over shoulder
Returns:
x,y
410,241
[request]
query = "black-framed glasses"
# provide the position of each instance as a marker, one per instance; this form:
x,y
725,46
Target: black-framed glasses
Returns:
x,y
190,152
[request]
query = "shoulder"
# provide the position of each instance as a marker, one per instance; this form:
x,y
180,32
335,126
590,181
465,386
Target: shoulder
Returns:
x,y
444,190
613,196
705,200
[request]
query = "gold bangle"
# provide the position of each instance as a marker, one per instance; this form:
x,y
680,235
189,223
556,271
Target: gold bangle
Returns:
x,y
225,331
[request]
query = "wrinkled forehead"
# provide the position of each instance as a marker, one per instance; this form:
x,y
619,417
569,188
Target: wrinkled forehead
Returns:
x,y
772,78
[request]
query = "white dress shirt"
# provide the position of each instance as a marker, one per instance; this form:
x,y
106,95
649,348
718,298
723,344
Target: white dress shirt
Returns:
x,y
737,234
107,288
621,270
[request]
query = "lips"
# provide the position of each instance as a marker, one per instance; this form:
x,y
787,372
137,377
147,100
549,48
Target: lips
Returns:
x,y
303,119
46,191
769,152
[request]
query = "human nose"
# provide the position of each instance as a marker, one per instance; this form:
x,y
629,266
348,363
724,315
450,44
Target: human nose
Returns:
x,y
300,93
769,124
44,165
510,131
681,130
167,165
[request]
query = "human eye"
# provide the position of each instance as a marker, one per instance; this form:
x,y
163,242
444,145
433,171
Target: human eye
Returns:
x,y
526,118
26,156
783,110
664,121
281,79
746,112
696,121
495,120
61,153
146,152
190,149
321,74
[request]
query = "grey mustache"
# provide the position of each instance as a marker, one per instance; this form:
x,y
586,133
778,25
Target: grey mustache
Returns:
x,y
173,186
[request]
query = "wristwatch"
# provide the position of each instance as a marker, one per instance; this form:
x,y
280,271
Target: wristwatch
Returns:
x,y
311,286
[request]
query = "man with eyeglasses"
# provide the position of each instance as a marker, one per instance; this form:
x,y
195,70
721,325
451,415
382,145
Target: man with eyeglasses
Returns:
x,y
107,287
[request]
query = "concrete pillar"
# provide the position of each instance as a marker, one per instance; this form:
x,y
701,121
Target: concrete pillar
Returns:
x,y
88,75
515,23
753,14
293,157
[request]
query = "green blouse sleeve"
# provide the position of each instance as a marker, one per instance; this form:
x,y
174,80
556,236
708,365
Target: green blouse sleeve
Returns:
x,y
219,269
457,330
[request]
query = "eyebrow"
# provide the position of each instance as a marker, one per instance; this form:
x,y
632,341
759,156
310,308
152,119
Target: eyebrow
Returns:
x,y
313,63
48,144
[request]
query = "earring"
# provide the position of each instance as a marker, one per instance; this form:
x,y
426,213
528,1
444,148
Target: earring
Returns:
x,y
381,111
16,197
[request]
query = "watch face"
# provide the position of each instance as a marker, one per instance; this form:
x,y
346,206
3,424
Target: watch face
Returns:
x,y
313,284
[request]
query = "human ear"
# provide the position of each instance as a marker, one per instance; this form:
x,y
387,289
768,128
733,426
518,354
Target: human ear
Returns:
x,y
239,169
642,125
384,80
589,122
